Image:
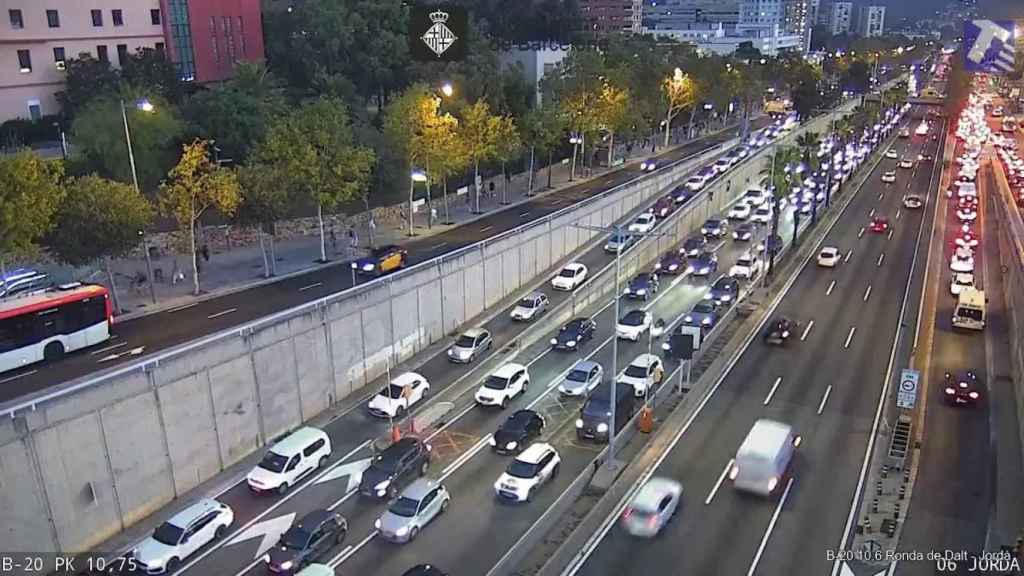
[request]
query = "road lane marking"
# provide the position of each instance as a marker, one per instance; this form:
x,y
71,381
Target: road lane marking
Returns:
x,y
349,551
861,233
867,293
830,287
524,214
880,258
890,233
718,484
771,392
881,195
771,526
221,313
821,407
269,532
808,329
16,376
107,349
486,228
458,462
304,288
898,213
438,245
180,308
849,336
848,255
872,213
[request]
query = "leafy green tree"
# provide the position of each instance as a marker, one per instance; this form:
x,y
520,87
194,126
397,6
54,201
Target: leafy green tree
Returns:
x,y
481,131
857,77
413,127
264,202
85,78
806,98
612,109
197,184
99,219
542,130
150,70
678,92
30,193
509,146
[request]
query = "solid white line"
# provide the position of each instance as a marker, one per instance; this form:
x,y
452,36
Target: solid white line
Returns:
x,y
304,288
16,376
771,392
458,462
221,313
867,293
808,329
718,484
880,258
848,255
349,551
771,526
821,407
101,350
486,228
180,308
830,287
861,233
849,336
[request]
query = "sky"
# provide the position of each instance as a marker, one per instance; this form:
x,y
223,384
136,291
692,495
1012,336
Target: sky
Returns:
x,y
990,8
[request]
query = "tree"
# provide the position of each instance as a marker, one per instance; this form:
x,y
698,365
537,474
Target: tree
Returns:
x,y
30,193
746,51
85,78
99,219
149,70
857,77
195,185
777,175
612,110
542,129
678,92
508,146
806,98
264,202
413,127
314,153
480,131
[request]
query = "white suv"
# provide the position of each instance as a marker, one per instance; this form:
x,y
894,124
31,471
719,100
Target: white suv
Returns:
x,y
645,371
503,385
179,537
531,468
747,266
298,454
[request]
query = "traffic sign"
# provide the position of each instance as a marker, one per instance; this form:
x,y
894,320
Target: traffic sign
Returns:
x,y
906,396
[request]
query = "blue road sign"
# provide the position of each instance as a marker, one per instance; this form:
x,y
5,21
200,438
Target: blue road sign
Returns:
x,y
989,46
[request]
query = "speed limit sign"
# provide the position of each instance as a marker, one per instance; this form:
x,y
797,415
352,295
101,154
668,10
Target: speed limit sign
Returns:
x,y
906,396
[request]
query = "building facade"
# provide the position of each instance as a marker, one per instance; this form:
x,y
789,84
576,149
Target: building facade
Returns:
x,y
206,38
533,64
609,16
871,22
37,37
692,15
840,17
783,22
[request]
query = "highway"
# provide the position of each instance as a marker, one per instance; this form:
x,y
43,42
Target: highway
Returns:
x,y
169,328
827,385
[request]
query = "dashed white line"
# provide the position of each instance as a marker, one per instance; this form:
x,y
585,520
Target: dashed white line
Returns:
x,y
350,550
898,213
771,526
848,254
304,288
107,349
486,228
849,336
890,233
861,233
524,214
771,392
881,195
180,308
867,293
439,245
872,213
808,329
830,287
221,313
718,484
821,407
16,376
881,257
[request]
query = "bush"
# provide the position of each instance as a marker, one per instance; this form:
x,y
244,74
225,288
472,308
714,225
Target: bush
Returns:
x,y
24,132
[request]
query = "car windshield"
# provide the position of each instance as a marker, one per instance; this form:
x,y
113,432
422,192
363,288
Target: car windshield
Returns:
x,y
827,253
723,285
405,507
465,341
703,308
527,303
273,462
392,391
634,318
495,383
521,469
295,538
640,280
516,422
168,534
695,180
743,262
597,407
634,371
618,238
969,313
712,223
567,273
577,375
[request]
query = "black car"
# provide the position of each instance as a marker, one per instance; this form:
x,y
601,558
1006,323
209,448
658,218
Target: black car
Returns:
x,y
574,333
694,245
671,263
724,291
682,195
714,227
678,343
308,539
743,233
424,570
703,264
780,330
643,285
516,433
962,388
395,467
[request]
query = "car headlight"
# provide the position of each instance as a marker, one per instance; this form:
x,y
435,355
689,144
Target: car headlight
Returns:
x,y
511,446
354,265
159,562
579,423
287,565
785,333
658,266
706,321
726,298
602,428
570,343
266,558
688,318
367,267
376,523
673,267
383,485
708,296
554,341
665,346
973,395
402,531
641,291
689,269
451,352
705,270
492,441
703,230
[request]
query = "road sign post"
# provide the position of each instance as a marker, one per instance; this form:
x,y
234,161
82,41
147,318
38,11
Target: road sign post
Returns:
x,y
906,395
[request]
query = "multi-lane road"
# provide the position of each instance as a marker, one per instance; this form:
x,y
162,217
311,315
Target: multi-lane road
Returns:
x,y
827,384
175,326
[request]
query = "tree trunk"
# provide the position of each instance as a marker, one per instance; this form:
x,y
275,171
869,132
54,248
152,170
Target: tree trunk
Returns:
x,y
263,252
668,127
273,256
476,182
693,114
430,218
611,151
323,240
551,160
444,192
529,188
796,226
195,261
113,287
504,185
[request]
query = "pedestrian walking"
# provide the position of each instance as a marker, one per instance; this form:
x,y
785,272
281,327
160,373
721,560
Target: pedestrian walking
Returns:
x,y
334,241
205,251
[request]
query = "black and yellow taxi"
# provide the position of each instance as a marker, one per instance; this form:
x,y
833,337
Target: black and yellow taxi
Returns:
x,y
382,260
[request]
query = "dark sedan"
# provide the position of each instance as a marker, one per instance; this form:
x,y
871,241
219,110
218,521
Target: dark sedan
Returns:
x,y
743,233
962,389
714,227
703,314
671,263
725,290
780,331
516,433
643,286
664,206
574,333
693,245
307,540
704,264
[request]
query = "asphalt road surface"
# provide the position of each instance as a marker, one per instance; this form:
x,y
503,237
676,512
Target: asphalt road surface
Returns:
x,y
826,384
173,327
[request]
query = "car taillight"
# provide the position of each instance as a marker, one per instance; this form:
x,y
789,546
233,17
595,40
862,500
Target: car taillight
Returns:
x,y
973,395
950,391
627,513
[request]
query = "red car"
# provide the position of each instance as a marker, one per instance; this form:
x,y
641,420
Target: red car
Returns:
x,y
879,224
664,206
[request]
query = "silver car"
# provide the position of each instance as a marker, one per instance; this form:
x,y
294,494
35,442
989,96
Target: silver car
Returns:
x,y
652,507
532,305
584,376
471,343
417,505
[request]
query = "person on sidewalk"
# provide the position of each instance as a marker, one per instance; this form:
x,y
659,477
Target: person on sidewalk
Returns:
x,y
334,242
205,251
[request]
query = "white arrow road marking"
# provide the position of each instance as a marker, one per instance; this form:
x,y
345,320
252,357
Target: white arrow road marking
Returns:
x,y
354,471
269,530
847,571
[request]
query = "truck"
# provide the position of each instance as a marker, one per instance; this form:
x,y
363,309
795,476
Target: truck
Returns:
x,y
764,457
969,312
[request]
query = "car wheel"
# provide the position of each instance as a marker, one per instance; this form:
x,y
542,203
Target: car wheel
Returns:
x,y
529,495
423,468
444,505
54,351
172,565
554,471
219,533
283,488
504,402
413,533
341,536
400,411
322,462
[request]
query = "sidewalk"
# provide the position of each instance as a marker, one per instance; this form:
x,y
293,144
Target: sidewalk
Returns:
x,y
235,268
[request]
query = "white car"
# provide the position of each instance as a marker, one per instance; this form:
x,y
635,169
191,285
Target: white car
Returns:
x,y
722,165
652,507
966,239
747,266
643,373
182,535
289,460
889,176
962,261
739,211
891,154
571,276
762,215
649,165
504,384
633,325
829,257
695,183
643,223
912,201
755,197
530,306
401,394
527,472
906,163
961,282
967,214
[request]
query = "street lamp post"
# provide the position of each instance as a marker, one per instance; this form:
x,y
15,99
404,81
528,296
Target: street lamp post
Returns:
x,y
416,176
575,141
145,106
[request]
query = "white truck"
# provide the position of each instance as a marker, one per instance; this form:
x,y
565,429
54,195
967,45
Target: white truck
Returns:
x,y
764,457
969,312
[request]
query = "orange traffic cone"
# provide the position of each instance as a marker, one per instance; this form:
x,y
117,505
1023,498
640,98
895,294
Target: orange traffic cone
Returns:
x,y
396,434
645,423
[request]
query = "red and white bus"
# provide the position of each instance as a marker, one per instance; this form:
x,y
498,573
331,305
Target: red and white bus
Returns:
x,y
46,325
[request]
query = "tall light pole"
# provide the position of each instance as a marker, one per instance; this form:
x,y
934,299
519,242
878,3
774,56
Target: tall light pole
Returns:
x,y
417,175
446,90
575,140
146,106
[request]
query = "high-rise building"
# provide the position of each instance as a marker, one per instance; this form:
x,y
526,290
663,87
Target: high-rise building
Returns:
x,y
839,19
37,38
206,38
871,21
610,16
691,14
785,20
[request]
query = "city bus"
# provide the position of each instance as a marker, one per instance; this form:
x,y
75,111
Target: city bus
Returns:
x,y
46,325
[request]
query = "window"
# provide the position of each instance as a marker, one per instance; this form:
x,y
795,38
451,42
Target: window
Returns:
x,y
34,110
58,57
122,54
117,17
312,448
24,61
16,22
159,47
101,53
53,18
154,16
97,18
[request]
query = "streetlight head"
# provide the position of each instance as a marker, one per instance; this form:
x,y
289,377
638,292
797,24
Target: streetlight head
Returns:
x,y
447,89
419,176
144,104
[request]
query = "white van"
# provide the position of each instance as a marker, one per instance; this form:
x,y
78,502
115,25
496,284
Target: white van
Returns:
x,y
764,457
969,312
291,459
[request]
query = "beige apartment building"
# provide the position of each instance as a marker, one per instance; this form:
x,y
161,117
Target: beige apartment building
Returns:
x,y
36,36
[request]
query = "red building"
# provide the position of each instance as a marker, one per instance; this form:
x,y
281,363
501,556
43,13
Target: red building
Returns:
x,y
206,38
610,16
